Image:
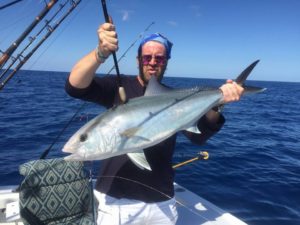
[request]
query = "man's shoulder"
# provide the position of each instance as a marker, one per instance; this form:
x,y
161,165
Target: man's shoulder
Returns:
x,y
128,77
110,78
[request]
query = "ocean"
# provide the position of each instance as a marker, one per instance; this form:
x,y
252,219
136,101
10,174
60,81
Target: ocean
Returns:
x,y
254,164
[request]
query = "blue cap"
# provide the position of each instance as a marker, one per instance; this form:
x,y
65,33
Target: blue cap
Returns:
x,y
159,38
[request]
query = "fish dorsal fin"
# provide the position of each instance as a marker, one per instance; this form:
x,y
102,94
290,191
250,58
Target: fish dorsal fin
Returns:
x,y
156,88
139,159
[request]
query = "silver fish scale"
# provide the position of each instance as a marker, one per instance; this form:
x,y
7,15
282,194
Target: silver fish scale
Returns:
x,y
177,114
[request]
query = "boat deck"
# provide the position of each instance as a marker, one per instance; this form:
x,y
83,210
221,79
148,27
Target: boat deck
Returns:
x,y
192,209
195,210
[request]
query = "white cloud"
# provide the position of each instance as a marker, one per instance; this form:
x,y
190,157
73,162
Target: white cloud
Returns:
x,y
196,10
172,23
126,14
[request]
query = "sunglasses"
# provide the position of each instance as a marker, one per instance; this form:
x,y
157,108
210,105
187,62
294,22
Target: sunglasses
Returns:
x,y
159,59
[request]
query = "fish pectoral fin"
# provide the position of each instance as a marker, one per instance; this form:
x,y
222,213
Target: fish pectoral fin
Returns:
x,y
139,159
130,133
194,129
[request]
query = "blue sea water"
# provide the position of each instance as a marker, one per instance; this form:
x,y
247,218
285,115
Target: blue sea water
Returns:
x,y
254,165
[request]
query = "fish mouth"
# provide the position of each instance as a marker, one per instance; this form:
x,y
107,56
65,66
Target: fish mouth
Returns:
x,y
67,147
68,150
72,145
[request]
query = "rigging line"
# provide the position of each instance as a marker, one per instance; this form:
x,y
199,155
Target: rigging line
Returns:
x,y
4,58
9,4
140,36
50,31
32,39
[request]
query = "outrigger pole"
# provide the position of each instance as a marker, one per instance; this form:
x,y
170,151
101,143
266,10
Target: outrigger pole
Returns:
x,y
15,45
50,31
31,40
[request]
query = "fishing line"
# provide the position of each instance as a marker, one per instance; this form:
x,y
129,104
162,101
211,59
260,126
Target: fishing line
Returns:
x,y
46,152
139,37
160,192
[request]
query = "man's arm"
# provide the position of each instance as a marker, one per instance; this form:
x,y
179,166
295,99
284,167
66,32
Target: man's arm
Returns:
x,y
84,70
207,128
213,120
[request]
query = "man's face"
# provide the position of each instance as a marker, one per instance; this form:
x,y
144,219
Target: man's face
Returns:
x,y
153,61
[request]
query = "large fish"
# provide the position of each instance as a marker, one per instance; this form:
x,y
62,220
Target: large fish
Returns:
x,y
145,121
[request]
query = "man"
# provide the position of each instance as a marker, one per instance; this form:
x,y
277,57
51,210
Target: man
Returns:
x,y
126,193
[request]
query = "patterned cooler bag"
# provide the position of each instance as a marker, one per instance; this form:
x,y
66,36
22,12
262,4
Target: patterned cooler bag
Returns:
x,y
55,191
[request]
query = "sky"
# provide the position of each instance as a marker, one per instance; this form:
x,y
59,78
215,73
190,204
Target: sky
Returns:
x,y
212,38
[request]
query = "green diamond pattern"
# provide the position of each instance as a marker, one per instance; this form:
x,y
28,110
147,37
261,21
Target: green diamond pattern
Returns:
x,y
56,192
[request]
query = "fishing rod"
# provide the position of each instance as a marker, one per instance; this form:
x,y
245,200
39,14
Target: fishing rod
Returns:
x,y
32,39
7,54
50,31
122,93
201,156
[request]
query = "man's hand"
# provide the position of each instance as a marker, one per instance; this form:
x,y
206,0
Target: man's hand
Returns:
x,y
231,91
108,39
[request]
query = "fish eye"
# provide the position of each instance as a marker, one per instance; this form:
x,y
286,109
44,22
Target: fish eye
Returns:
x,y
83,137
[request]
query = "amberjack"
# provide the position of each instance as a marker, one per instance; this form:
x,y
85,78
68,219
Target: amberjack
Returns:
x,y
145,121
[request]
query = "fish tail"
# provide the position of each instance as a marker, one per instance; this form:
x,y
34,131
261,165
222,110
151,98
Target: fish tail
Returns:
x,y
252,89
243,76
